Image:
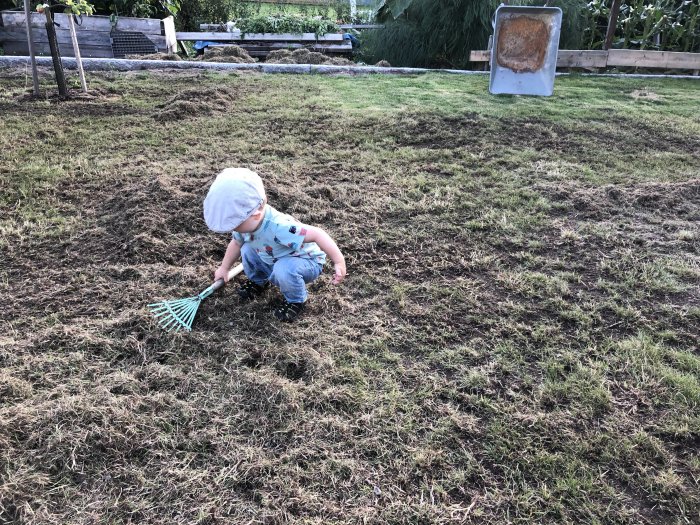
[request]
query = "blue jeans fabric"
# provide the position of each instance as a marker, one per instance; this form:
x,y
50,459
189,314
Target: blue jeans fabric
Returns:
x,y
289,274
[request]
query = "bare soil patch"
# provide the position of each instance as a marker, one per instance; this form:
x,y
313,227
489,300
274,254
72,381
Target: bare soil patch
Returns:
x,y
473,131
503,337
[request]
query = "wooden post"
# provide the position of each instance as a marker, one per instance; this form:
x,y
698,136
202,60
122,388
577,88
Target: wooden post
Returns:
x,y
76,50
183,48
488,48
30,43
612,24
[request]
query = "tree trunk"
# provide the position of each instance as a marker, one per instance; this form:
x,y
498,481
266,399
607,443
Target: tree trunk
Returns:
x,y
55,54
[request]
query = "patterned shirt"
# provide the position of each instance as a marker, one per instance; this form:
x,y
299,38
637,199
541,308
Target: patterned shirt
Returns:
x,y
280,235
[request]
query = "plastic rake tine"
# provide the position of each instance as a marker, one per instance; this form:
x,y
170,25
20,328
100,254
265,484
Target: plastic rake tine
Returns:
x,y
176,314
180,313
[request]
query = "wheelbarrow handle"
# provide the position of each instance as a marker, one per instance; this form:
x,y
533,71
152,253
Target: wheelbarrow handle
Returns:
x,y
231,274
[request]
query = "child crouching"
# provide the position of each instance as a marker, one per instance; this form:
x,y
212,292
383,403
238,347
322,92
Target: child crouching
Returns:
x,y
275,248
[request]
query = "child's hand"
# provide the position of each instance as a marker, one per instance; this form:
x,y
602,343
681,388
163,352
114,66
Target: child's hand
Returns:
x,y
221,273
340,272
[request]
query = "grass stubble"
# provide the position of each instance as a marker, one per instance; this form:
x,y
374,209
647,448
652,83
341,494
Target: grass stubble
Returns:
x,y
516,341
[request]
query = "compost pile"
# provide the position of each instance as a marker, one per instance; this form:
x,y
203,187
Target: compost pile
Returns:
x,y
304,56
155,56
196,103
230,54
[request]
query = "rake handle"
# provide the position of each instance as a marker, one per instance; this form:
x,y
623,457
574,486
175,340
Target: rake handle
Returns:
x,y
231,274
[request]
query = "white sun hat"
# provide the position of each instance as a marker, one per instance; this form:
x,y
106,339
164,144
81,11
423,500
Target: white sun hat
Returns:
x,y
233,197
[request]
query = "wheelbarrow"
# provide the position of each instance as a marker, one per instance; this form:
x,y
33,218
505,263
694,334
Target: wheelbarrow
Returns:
x,y
524,50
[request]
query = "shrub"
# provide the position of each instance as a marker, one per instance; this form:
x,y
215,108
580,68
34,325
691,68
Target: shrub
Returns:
x,y
429,33
195,12
669,25
286,24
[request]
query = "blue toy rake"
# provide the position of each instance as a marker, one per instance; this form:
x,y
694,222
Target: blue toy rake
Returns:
x,y
179,313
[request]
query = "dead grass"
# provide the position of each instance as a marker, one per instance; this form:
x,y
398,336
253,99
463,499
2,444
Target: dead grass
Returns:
x,y
234,54
516,341
305,56
155,56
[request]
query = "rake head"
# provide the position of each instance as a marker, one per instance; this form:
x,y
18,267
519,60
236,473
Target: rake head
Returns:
x,y
177,314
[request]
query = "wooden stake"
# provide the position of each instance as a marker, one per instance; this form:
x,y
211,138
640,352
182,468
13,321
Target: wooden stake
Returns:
x,y
30,43
76,50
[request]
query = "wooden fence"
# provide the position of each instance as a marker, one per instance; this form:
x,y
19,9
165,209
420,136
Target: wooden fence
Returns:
x,y
94,34
616,58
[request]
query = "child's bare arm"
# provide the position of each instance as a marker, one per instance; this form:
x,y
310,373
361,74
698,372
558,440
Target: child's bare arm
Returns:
x,y
328,245
233,251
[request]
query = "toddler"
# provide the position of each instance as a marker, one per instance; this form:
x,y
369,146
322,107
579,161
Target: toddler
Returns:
x,y
275,247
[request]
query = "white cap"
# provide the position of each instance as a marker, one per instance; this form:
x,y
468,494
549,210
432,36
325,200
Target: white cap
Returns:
x,y
233,197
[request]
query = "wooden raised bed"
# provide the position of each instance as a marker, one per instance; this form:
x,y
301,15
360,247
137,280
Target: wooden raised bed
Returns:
x,y
260,44
94,34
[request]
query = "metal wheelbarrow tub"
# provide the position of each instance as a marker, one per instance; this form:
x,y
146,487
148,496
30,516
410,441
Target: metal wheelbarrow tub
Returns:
x,y
524,50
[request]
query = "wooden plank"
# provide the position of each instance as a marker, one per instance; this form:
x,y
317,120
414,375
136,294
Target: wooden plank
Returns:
x,y
85,38
42,49
213,27
574,58
361,26
615,57
565,58
222,27
263,51
304,37
653,59
213,37
90,23
330,48
160,42
480,56
262,37
169,34
148,26
93,38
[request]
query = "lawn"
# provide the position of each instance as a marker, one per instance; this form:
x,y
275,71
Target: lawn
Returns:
x,y
516,340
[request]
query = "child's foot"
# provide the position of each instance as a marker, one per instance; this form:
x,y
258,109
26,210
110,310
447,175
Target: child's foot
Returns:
x,y
249,290
288,311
